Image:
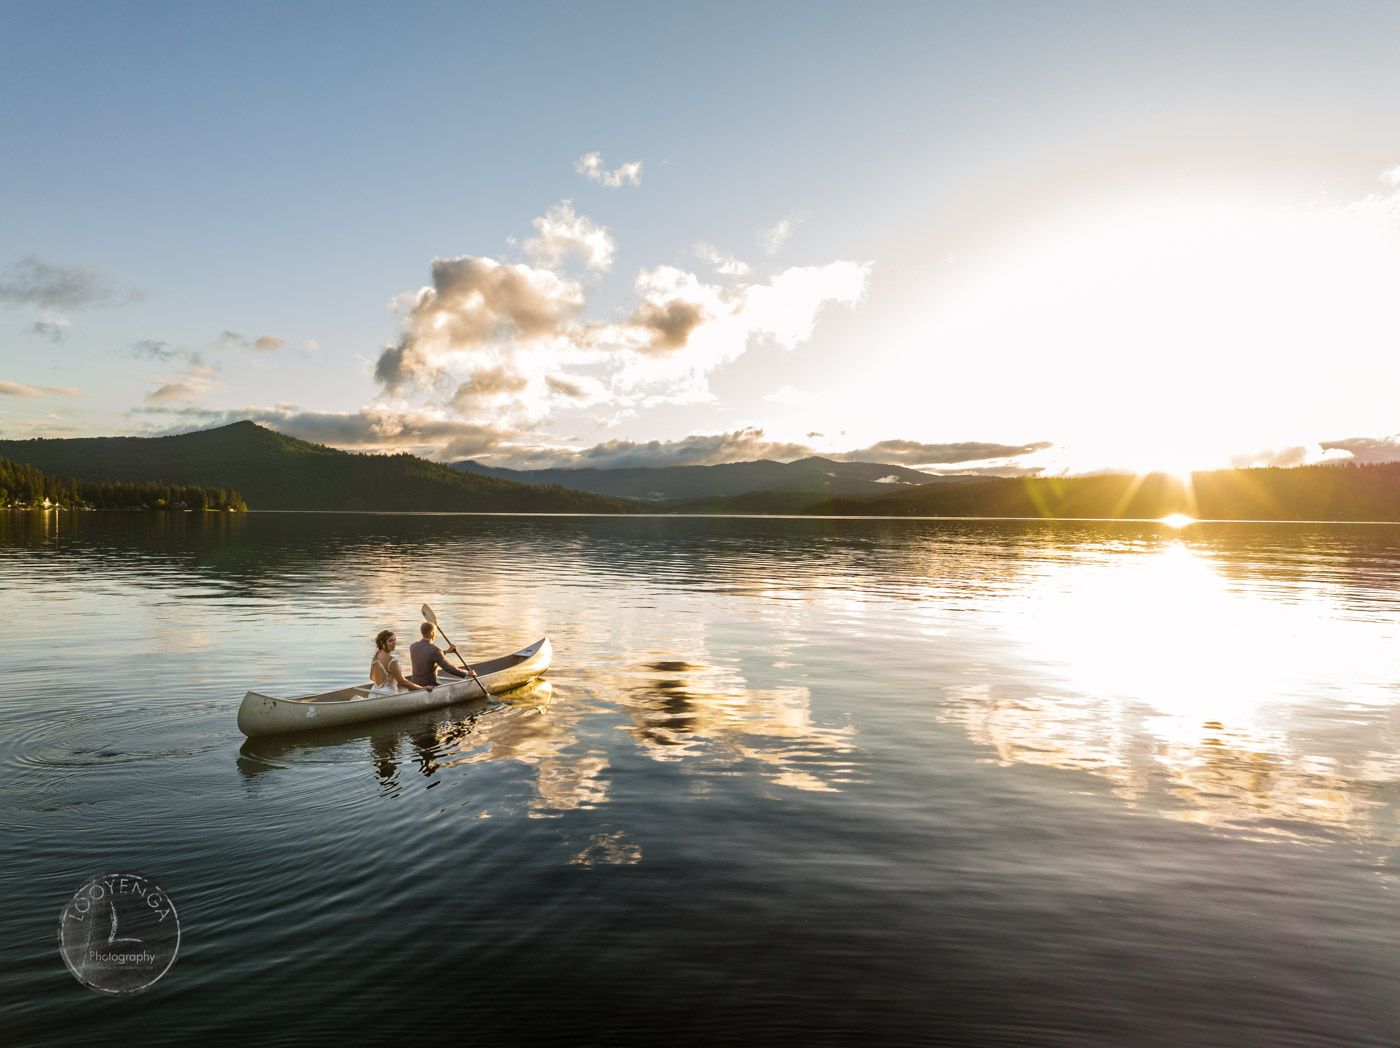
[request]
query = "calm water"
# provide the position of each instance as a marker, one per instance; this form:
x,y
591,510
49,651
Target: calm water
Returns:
x,y
994,783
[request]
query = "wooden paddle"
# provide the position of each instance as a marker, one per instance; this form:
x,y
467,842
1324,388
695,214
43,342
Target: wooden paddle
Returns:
x,y
428,614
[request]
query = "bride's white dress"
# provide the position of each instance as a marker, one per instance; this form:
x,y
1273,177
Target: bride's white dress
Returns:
x,y
389,685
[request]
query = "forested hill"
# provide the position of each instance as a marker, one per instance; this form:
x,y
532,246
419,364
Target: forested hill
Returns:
x,y
24,487
273,471
814,476
1324,492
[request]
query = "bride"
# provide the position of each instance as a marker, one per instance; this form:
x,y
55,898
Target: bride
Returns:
x,y
384,672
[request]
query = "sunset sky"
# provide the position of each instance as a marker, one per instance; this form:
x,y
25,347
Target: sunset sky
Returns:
x,y
1058,237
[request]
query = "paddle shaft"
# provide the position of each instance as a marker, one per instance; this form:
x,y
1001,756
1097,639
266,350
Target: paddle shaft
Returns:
x,y
464,662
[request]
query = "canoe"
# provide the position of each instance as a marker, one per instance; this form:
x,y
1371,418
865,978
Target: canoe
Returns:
x,y
263,714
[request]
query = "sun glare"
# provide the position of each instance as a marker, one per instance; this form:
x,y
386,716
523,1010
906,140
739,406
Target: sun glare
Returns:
x,y
1177,520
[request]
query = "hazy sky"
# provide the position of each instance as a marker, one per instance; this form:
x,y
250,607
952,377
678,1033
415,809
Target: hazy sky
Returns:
x,y
1011,236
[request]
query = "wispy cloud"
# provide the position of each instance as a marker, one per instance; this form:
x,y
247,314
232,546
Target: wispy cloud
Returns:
x,y
187,387
563,234
32,281
23,389
51,325
700,449
591,167
779,233
914,453
788,396
260,344
724,264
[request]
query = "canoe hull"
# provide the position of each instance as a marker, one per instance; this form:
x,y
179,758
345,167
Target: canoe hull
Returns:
x,y
268,715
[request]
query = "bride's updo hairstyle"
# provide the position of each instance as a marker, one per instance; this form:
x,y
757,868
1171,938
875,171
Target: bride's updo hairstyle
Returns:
x,y
381,639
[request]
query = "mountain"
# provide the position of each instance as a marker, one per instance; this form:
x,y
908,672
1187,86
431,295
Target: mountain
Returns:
x,y
272,471
814,476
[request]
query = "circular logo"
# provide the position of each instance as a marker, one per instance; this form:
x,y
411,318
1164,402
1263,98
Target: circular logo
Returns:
x,y
119,933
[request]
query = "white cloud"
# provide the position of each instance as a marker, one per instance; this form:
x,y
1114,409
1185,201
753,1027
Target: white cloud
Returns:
x,y
685,328
563,233
1391,176
775,236
590,166
1365,449
788,396
475,303
726,265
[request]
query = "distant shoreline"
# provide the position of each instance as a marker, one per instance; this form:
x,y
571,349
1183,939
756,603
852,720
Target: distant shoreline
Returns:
x,y
692,516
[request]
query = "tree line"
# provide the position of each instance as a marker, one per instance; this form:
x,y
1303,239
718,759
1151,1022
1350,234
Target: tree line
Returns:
x,y
24,486
1340,491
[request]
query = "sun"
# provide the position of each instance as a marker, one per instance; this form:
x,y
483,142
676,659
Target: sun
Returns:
x,y
1177,520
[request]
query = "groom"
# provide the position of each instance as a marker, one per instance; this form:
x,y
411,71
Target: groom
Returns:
x,y
428,659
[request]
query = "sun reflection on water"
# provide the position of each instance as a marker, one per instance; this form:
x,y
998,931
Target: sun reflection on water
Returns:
x,y
1188,691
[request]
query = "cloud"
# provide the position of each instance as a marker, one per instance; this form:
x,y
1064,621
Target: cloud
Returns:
x,y
741,445
1366,449
1391,176
1292,456
193,383
685,328
261,344
171,391
789,396
913,453
488,384
51,325
590,166
475,302
667,324
34,282
565,387
371,429
23,389
727,265
775,236
562,234
154,349
512,337
989,471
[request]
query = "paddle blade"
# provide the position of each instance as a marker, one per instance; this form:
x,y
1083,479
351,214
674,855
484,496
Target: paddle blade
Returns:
x,y
428,614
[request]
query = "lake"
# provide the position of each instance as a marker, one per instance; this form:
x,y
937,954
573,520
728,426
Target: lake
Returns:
x,y
813,781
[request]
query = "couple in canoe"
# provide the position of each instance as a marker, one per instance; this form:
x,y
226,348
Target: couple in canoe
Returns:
x,y
387,676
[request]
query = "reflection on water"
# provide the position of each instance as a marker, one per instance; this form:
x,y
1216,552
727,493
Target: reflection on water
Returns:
x,y
968,782
679,709
1189,689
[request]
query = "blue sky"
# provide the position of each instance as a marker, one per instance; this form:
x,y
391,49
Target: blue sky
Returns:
x,y
985,207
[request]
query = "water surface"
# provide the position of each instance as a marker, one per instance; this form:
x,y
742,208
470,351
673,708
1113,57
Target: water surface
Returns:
x,y
962,782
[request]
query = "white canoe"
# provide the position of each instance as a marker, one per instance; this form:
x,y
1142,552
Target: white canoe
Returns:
x,y
268,715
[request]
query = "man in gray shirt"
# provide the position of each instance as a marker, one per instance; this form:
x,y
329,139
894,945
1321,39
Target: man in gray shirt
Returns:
x,y
428,659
